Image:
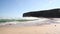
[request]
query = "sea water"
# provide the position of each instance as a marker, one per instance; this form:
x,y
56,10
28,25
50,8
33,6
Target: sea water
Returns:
x,y
36,21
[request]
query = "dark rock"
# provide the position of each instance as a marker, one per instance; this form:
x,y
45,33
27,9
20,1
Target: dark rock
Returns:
x,y
52,13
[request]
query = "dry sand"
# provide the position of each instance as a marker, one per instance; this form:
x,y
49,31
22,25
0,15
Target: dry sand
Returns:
x,y
44,29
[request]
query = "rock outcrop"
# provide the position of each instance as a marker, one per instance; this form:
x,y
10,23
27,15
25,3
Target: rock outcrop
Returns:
x,y
52,13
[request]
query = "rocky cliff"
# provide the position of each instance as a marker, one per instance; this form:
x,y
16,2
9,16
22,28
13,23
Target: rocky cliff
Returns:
x,y
52,13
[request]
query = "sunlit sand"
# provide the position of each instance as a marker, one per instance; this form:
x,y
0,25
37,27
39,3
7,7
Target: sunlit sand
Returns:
x,y
45,29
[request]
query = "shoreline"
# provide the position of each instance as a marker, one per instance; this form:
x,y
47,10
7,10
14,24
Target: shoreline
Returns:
x,y
31,27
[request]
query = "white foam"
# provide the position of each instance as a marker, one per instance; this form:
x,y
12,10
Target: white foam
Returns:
x,y
30,18
39,21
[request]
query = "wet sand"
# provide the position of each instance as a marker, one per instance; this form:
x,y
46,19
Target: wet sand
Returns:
x,y
44,29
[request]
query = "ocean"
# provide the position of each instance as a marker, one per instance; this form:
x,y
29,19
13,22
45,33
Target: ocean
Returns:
x,y
32,21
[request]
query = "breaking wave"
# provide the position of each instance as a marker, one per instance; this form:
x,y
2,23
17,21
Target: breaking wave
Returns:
x,y
36,21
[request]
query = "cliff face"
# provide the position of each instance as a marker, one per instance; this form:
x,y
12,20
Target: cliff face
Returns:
x,y
52,13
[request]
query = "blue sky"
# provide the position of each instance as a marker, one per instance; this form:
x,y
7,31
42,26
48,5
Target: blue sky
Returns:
x,y
16,8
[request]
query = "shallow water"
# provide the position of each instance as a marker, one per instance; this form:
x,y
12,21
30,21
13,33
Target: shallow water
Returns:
x,y
40,21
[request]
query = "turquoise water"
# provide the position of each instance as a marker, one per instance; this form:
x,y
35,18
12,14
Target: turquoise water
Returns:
x,y
11,20
26,22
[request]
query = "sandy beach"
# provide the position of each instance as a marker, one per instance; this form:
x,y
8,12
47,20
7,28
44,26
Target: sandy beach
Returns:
x,y
43,26
44,29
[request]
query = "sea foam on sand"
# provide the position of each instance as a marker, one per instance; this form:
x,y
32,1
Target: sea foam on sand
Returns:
x,y
36,21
